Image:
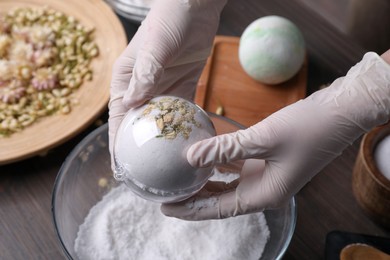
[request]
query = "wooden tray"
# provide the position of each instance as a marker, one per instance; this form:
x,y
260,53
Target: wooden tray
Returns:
x,y
224,84
92,95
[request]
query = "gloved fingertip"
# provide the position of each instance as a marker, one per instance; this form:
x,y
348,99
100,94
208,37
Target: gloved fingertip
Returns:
x,y
131,100
177,210
195,156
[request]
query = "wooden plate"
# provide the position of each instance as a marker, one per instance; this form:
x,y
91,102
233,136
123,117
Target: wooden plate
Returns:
x,y
224,84
93,95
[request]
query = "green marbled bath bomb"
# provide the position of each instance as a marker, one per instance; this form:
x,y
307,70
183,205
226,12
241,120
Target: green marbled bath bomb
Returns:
x,y
272,50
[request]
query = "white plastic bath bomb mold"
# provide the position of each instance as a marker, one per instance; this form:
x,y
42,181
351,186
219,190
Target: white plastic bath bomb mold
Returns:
x,y
271,50
151,145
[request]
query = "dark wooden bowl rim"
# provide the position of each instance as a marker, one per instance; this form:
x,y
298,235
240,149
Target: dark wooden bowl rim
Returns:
x,y
369,143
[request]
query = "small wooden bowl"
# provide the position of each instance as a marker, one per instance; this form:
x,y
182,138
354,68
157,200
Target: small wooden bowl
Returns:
x,y
370,187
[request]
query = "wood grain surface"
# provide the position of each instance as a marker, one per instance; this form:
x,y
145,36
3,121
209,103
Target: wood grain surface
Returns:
x,y
92,96
325,204
225,85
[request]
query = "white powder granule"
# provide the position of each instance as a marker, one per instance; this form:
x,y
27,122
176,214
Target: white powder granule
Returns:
x,y
125,226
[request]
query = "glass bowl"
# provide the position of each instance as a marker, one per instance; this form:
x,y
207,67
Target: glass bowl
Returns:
x,y
86,176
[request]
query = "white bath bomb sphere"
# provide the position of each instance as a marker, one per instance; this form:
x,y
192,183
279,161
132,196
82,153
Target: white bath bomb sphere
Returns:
x,y
382,155
271,50
151,145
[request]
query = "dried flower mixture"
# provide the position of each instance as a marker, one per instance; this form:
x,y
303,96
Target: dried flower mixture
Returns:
x,y
45,56
172,116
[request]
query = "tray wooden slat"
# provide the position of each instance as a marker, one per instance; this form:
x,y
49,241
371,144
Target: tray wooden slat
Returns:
x,y
225,84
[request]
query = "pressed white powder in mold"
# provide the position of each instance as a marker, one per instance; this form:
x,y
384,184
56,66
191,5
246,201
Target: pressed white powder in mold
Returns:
x,y
150,149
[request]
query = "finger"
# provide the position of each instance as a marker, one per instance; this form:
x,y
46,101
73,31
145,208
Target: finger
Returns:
x,y
144,81
193,209
162,42
178,81
234,167
124,64
236,202
263,186
254,142
205,205
151,78
219,200
215,187
170,41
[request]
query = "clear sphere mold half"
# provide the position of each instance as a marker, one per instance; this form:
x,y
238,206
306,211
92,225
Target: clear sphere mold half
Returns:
x,y
150,149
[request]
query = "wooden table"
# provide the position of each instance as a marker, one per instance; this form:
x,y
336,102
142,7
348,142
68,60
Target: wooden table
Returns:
x,y
324,205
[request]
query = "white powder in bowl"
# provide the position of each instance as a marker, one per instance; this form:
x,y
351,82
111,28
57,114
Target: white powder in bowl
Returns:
x,y
125,226
382,156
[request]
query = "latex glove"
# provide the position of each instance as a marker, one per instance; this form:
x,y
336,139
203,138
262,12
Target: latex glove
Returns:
x,y
295,143
165,56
